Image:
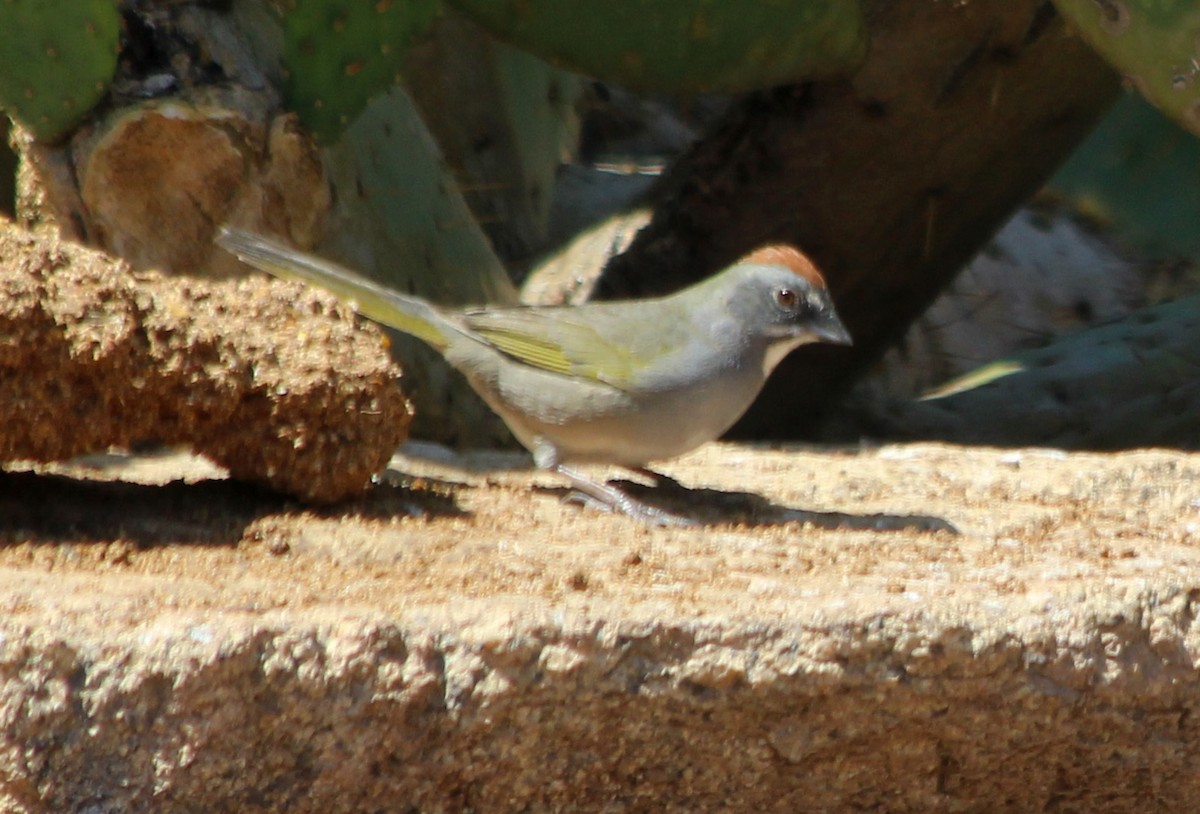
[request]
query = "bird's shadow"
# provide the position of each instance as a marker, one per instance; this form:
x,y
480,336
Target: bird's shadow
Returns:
x,y
715,507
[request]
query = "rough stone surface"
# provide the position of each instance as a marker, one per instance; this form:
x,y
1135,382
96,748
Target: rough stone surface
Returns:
x,y
272,381
455,640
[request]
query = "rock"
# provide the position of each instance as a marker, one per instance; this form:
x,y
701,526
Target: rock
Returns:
x,y
274,382
504,652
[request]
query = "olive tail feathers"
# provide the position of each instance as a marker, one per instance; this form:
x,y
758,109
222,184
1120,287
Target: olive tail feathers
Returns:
x,y
375,302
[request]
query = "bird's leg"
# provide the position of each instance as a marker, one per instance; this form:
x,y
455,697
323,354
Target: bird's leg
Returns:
x,y
613,499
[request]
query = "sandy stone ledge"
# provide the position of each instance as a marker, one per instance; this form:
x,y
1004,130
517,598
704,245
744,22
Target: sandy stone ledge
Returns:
x,y
458,641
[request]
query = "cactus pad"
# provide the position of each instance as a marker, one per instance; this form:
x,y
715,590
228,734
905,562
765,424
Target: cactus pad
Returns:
x,y
1136,173
688,46
58,58
339,54
1154,43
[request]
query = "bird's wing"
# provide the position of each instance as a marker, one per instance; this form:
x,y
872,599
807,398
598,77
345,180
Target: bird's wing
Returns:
x,y
563,340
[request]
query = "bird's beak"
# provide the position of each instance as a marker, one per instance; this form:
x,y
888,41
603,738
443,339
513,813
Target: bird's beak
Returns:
x,y
830,329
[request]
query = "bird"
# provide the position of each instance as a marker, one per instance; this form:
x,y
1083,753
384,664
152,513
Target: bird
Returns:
x,y
623,383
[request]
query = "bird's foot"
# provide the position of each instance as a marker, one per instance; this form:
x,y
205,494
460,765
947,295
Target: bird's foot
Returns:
x,y
609,498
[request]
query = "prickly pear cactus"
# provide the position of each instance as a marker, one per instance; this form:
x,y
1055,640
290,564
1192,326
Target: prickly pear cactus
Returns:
x,y
57,58
339,54
1131,383
1154,43
1127,174
398,217
503,119
698,45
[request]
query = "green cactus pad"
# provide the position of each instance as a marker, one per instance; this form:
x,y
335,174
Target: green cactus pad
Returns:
x,y
683,46
1136,173
339,54
57,58
1154,43
1130,383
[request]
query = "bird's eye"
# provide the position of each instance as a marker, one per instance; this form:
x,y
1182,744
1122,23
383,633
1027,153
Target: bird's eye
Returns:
x,y
786,298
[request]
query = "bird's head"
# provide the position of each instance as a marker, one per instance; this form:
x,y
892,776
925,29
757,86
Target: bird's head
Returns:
x,y
779,294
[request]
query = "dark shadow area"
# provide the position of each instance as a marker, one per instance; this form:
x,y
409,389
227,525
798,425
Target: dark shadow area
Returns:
x,y
395,494
52,508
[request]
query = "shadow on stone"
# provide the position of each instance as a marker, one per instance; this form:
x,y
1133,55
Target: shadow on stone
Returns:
x,y
49,508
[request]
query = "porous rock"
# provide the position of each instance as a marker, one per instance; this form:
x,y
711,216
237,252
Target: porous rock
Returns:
x,y
491,706
273,382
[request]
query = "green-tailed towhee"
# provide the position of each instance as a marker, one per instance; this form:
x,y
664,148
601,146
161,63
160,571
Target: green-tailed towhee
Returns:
x,y
622,383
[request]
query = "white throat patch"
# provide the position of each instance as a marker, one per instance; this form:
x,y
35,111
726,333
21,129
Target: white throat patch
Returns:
x,y
777,351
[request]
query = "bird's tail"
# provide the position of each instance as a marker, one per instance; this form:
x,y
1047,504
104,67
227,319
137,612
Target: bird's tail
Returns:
x,y
407,314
